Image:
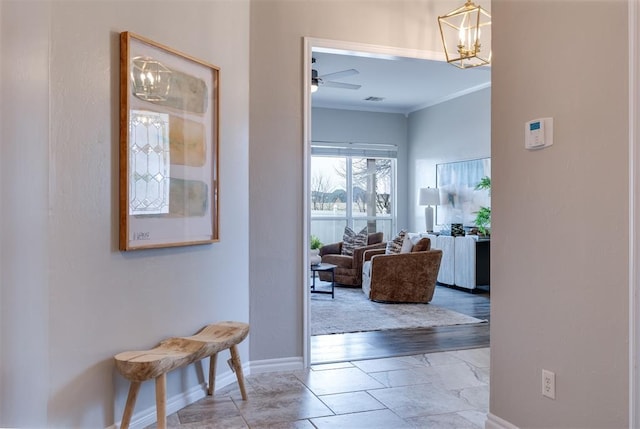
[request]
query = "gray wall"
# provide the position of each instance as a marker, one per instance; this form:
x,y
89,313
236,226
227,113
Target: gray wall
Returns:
x,y
367,127
559,263
276,148
70,300
456,130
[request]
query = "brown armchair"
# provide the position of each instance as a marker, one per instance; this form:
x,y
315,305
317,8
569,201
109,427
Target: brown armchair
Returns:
x,y
349,267
402,277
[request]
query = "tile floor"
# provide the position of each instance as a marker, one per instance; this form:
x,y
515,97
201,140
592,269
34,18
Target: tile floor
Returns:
x,y
435,390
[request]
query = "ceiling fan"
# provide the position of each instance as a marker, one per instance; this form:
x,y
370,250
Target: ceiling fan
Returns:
x,y
325,79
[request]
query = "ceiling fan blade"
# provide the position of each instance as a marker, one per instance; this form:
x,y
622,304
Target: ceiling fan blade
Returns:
x,y
340,74
341,85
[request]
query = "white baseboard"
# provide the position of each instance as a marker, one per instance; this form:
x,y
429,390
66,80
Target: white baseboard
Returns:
x,y
495,422
275,365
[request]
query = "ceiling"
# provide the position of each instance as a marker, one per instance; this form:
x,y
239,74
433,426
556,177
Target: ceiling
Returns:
x,y
404,84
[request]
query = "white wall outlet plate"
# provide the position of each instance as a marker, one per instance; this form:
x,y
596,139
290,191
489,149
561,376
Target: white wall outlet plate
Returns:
x,y
548,384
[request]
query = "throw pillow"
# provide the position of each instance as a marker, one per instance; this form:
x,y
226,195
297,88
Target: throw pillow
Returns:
x,y
422,246
395,245
407,244
351,240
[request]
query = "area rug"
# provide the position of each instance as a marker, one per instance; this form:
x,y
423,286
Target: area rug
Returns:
x,y
351,311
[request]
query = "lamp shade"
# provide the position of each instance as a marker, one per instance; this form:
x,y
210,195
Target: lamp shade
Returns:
x,y
314,79
429,197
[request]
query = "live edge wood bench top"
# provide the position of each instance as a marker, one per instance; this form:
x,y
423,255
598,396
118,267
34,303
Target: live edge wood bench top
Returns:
x,y
176,352
180,351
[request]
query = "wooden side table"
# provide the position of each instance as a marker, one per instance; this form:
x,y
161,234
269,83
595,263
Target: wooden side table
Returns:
x,y
324,267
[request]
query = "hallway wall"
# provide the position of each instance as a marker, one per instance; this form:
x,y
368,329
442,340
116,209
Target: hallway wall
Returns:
x,y
69,299
456,130
277,31
559,263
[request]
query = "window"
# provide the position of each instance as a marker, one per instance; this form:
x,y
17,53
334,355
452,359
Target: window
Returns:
x,y
355,189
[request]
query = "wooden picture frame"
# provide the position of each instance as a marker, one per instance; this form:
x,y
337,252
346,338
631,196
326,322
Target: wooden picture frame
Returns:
x,y
169,113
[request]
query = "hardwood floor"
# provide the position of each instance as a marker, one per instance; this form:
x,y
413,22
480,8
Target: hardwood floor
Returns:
x,y
401,342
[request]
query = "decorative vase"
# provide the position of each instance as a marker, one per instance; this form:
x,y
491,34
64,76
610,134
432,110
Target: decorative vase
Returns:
x,y
314,256
457,229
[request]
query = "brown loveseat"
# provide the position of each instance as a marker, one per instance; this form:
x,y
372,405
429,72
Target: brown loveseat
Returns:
x,y
349,270
402,277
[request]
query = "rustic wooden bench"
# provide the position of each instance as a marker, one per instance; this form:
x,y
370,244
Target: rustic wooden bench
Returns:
x,y
173,353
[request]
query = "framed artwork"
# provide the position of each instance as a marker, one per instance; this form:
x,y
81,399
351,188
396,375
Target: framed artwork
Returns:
x,y
169,110
459,201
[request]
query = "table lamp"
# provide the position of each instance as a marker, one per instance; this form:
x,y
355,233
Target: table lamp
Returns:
x,y
429,197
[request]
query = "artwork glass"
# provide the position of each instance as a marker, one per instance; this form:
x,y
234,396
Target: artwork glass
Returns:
x,y
168,146
459,200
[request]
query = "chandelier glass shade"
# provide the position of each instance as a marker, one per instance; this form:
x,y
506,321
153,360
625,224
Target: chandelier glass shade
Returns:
x,y
466,36
150,78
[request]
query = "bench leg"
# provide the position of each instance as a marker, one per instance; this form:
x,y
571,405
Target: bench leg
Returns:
x,y
134,388
161,400
212,374
237,367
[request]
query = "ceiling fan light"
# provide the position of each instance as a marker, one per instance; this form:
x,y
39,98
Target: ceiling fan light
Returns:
x,y
466,36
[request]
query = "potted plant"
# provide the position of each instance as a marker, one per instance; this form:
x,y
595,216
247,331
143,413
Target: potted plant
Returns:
x,y
314,253
483,216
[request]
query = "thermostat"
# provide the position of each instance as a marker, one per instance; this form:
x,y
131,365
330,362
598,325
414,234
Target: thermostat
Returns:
x,y
538,133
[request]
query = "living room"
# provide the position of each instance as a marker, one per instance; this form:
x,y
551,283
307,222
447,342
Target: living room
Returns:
x,y
416,135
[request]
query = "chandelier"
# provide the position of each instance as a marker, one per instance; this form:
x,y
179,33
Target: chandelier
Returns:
x,y
466,36
150,78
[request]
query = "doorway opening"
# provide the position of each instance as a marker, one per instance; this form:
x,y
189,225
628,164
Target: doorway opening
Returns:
x,y
343,125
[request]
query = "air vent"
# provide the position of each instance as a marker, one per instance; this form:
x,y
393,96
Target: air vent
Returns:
x,y
374,99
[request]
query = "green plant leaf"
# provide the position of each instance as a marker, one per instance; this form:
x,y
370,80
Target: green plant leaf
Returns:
x,y
315,242
484,183
483,216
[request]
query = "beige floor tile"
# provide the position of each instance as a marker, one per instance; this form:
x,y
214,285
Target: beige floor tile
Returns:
x,y
269,408
420,400
209,409
404,377
352,402
477,397
483,375
442,358
298,424
390,364
227,423
453,377
437,390
443,421
476,357
338,381
326,366
232,390
478,418
381,419
274,383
